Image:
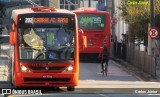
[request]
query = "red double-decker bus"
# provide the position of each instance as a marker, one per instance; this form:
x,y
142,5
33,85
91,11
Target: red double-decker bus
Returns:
x,y
45,49
96,27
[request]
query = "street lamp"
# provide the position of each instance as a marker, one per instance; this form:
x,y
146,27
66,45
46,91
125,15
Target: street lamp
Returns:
x,y
150,40
152,22
89,3
152,26
151,50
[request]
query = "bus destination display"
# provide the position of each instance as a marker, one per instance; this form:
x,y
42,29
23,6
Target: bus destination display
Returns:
x,y
91,21
63,20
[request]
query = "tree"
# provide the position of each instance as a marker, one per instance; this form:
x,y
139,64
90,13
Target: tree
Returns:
x,y
137,14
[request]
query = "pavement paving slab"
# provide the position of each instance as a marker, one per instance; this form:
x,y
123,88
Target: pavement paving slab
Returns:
x,y
138,72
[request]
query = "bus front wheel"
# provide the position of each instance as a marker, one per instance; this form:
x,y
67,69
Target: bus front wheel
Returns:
x,y
71,88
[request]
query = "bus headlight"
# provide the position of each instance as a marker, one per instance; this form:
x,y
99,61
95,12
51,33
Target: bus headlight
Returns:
x,y
24,69
69,69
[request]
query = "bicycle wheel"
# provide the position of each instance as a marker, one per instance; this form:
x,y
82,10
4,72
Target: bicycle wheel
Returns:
x,y
103,70
106,69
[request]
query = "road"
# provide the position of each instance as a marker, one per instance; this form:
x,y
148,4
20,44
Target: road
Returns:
x,y
93,84
87,95
119,80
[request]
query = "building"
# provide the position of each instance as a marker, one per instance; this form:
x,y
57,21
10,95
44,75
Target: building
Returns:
x,y
6,0
121,27
64,4
72,4
6,10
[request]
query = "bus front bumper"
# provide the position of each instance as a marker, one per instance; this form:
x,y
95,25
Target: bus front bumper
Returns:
x,y
91,49
46,79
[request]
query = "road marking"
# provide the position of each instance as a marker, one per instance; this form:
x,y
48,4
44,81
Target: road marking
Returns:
x,y
103,95
91,80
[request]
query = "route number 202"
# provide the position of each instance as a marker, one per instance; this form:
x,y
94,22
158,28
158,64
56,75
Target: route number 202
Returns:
x,y
28,20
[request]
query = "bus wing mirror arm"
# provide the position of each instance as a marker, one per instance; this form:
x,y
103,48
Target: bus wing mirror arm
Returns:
x,y
84,42
82,39
12,38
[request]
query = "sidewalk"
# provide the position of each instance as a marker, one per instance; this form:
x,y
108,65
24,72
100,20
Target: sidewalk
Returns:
x,y
4,70
138,72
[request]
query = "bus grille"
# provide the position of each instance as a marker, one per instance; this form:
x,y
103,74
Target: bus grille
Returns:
x,y
49,68
48,79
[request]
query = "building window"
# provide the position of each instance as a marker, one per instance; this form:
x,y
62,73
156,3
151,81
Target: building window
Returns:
x,y
68,4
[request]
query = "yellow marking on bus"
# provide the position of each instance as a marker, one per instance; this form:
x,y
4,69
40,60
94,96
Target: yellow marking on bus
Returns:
x,y
10,96
37,47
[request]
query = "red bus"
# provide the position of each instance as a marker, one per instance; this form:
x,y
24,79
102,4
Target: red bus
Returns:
x,y
45,49
96,27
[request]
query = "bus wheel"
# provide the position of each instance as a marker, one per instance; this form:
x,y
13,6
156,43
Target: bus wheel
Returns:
x,y
56,88
12,83
12,80
71,88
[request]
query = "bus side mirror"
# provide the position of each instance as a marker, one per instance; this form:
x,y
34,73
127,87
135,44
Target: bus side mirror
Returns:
x,y
12,38
84,42
13,26
82,39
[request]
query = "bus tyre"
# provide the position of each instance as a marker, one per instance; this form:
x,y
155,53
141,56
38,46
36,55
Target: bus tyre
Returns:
x,y
71,88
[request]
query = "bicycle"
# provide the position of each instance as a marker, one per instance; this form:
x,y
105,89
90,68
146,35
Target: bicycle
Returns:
x,y
105,69
104,63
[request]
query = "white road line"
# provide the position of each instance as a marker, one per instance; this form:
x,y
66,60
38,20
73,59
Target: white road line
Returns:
x,y
103,95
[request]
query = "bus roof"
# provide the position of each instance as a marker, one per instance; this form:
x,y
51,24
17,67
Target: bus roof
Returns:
x,y
87,10
17,12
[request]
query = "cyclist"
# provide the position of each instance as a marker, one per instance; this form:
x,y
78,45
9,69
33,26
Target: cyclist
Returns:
x,y
104,58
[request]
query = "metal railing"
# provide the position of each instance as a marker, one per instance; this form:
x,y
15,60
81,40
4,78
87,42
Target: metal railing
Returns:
x,y
138,59
141,60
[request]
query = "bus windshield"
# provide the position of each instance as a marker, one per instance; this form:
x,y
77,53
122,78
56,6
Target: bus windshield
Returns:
x,y
46,43
91,21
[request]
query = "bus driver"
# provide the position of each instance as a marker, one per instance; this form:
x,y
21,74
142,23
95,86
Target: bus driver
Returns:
x,y
33,40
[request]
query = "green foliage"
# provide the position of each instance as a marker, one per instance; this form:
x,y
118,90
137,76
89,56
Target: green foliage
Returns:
x,y
137,15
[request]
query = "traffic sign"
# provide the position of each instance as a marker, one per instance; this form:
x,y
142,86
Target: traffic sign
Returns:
x,y
153,33
114,20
